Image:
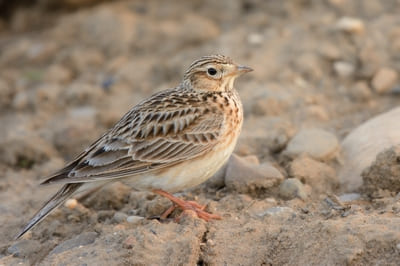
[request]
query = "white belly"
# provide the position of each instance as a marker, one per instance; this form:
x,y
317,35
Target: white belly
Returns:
x,y
185,175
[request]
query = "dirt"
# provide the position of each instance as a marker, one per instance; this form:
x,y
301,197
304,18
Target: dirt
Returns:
x,y
69,71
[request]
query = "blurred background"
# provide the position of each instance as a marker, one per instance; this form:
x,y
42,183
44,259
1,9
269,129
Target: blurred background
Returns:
x,y
330,63
69,69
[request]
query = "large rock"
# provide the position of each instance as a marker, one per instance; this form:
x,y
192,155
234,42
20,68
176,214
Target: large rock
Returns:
x,y
362,145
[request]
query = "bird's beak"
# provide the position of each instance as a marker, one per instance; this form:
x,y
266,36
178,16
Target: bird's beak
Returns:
x,y
243,69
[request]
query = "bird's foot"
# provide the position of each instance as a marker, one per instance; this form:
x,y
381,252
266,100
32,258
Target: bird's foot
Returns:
x,y
186,206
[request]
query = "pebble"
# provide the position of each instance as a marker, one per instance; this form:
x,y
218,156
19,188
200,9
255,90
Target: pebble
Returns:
x,y
349,197
292,188
350,25
344,69
120,217
316,143
21,101
6,94
384,80
48,93
247,177
278,211
80,93
58,74
362,144
255,38
133,219
361,91
71,203
218,179
24,248
253,136
329,51
79,240
320,176
318,112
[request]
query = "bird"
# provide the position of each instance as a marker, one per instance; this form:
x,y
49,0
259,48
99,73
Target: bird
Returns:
x,y
173,140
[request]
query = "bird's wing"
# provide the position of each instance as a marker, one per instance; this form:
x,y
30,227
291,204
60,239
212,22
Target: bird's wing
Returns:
x,y
153,135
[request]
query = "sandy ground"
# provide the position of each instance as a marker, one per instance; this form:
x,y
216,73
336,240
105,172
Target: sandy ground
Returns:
x,y
322,68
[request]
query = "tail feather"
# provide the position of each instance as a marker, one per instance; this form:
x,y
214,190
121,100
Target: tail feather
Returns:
x,y
63,194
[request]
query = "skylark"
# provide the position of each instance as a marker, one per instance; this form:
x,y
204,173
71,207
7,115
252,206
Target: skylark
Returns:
x,y
174,140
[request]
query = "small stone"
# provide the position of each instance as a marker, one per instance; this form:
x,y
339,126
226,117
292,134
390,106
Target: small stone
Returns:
x,y
24,248
271,200
257,142
398,246
71,203
321,177
361,91
309,64
344,69
120,217
218,179
80,93
6,94
384,80
349,197
47,93
58,74
21,100
258,207
255,38
350,25
246,177
316,143
80,240
318,111
329,51
292,188
133,219
129,242
278,211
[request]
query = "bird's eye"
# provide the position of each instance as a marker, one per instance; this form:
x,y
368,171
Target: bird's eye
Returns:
x,y
212,71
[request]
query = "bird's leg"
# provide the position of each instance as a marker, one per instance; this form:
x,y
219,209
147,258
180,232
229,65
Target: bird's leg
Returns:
x,y
168,212
186,206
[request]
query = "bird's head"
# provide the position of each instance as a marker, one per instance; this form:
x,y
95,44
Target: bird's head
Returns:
x,y
213,73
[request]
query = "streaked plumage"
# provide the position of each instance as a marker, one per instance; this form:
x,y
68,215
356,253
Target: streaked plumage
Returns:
x,y
173,140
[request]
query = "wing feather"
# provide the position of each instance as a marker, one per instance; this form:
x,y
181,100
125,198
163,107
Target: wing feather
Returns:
x,y
146,139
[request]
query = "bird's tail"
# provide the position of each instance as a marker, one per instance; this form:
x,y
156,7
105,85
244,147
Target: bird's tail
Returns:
x,y
64,193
